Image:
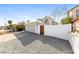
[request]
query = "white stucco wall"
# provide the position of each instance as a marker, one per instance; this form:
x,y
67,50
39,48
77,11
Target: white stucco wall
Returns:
x,y
77,26
60,31
74,41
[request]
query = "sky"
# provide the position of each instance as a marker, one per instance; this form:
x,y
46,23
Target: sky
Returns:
x,y
24,12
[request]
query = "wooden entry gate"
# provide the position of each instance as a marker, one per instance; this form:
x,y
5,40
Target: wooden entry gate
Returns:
x,y
42,29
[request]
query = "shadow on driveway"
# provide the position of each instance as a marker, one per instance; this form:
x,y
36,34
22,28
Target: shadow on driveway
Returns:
x,y
28,37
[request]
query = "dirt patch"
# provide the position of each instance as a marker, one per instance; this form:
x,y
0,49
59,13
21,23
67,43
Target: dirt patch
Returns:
x,y
7,37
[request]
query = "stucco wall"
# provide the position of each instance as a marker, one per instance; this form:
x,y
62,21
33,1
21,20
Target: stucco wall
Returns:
x,y
76,25
72,13
74,41
60,31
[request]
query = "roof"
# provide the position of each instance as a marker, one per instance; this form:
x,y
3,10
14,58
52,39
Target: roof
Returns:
x,y
72,9
74,21
35,22
47,17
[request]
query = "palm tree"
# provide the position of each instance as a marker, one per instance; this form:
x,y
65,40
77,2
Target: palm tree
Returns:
x,y
10,24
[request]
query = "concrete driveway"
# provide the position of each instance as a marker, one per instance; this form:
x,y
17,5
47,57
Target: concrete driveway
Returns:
x,y
27,42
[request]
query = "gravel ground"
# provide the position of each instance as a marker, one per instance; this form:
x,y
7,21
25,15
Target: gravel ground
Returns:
x,y
31,43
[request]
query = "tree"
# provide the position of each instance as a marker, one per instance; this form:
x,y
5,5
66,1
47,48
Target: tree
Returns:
x,y
65,10
13,27
57,13
9,22
54,22
66,20
20,26
23,23
28,20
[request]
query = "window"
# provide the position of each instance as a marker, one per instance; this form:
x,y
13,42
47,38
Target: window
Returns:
x,y
77,26
77,12
46,20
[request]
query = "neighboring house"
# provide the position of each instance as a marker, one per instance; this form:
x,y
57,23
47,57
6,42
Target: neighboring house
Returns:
x,y
1,27
74,13
2,30
47,20
35,27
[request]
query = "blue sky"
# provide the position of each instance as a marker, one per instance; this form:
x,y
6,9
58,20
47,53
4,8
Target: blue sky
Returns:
x,y
24,12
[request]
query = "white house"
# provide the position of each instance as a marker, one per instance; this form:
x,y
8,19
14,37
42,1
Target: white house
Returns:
x,y
34,26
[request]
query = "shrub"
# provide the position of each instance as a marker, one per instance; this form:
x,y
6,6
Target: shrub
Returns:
x,y
20,27
66,20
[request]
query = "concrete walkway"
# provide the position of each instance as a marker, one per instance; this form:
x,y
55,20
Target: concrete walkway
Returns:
x,y
26,42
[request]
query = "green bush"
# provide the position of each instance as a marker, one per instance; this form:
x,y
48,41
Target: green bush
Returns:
x,y
20,27
66,20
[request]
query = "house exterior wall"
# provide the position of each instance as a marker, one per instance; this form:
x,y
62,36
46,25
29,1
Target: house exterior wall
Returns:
x,y
75,18
48,20
76,25
73,13
74,41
